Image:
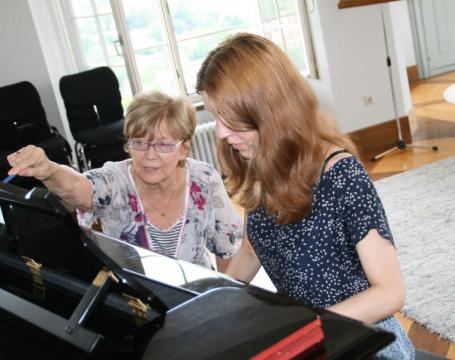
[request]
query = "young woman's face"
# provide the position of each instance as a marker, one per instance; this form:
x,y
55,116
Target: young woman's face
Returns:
x,y
243,141
152,166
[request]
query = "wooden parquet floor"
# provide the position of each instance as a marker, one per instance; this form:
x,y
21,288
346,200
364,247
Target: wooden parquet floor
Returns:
x,y
432,123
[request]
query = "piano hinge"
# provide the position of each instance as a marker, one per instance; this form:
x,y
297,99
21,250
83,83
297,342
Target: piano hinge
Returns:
x,y
140,309
38,284
102,276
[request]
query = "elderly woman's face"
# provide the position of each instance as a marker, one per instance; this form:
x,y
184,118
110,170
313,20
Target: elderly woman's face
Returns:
x,y
150,163
242,141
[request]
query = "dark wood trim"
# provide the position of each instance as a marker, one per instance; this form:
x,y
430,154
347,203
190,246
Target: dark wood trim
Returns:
x,y
378,138
413,74
343,4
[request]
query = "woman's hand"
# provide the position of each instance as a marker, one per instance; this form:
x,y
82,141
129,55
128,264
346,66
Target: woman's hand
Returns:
x,y
31,161
64,181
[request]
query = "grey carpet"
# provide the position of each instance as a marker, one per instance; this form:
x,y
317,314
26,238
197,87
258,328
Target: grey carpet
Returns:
x,y
420,205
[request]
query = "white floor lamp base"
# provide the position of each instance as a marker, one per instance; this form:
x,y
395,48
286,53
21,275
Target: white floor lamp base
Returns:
x,y
449,94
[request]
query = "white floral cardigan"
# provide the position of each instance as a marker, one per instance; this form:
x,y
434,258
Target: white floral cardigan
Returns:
x,y
211,222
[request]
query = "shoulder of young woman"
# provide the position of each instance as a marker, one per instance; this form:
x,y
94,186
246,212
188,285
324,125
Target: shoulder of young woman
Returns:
x,y
335,158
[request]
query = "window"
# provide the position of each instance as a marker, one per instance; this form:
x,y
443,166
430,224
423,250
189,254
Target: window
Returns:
x,y
160,44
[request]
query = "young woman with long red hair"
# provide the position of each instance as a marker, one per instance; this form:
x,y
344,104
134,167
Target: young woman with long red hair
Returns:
x,y
313,218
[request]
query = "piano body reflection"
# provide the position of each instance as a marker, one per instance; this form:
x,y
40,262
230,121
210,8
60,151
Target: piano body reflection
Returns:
x,y
68,292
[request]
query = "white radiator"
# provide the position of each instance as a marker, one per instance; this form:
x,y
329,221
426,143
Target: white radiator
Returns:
x,y
203,144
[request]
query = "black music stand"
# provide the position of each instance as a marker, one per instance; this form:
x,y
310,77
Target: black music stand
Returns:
x,y
400,143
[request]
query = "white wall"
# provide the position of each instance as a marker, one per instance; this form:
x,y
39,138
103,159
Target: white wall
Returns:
x,y
22,57
399,46
354,64
322,85
57,52
402,25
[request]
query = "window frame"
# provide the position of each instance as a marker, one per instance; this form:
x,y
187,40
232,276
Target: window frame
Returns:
x,y
127,52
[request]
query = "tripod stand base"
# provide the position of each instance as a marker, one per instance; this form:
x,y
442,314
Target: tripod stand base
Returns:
x,y
401,145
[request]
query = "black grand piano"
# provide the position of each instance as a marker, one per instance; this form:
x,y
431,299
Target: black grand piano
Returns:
x,y
68,292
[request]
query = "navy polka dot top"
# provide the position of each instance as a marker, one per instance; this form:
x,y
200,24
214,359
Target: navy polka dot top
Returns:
x,y
315,260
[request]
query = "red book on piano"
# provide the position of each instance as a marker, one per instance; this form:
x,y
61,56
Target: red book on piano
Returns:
x,y
302,342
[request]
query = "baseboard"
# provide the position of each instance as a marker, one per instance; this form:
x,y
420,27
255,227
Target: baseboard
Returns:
x,y
413,73
378,138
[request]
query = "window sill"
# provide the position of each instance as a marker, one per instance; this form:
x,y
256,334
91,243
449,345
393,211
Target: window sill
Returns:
x,y
343,4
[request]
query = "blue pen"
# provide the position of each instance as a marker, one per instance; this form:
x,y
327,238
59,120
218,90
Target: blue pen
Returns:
x,y
8,179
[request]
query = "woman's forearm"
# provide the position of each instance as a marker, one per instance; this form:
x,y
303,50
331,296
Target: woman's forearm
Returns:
x,y
71,186
371,305
245,264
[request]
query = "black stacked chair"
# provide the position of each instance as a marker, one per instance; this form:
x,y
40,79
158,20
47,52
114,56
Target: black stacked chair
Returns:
x,y
23,121
95,114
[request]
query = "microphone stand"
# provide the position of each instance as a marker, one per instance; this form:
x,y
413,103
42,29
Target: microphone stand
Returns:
x,y
400,144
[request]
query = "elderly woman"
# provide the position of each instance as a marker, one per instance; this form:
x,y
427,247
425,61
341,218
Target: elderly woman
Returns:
x,y
158,199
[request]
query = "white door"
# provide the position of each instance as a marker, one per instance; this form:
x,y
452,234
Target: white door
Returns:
x,y
438,29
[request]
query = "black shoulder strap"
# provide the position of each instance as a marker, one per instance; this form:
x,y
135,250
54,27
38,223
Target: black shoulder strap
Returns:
x,y
327,159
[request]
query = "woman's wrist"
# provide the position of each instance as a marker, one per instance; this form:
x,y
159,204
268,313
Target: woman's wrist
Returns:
x,y
53,168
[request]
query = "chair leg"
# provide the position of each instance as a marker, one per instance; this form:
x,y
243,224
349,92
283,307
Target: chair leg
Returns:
x,y
81,158
71,163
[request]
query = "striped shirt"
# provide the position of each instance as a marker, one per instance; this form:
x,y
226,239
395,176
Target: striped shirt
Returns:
x,y
210,225
165,241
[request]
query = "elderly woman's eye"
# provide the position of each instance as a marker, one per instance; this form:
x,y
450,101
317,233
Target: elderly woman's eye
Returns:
x,y
138,144
165,145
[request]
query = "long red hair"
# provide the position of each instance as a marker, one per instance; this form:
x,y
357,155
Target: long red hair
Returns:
x,y
253,85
